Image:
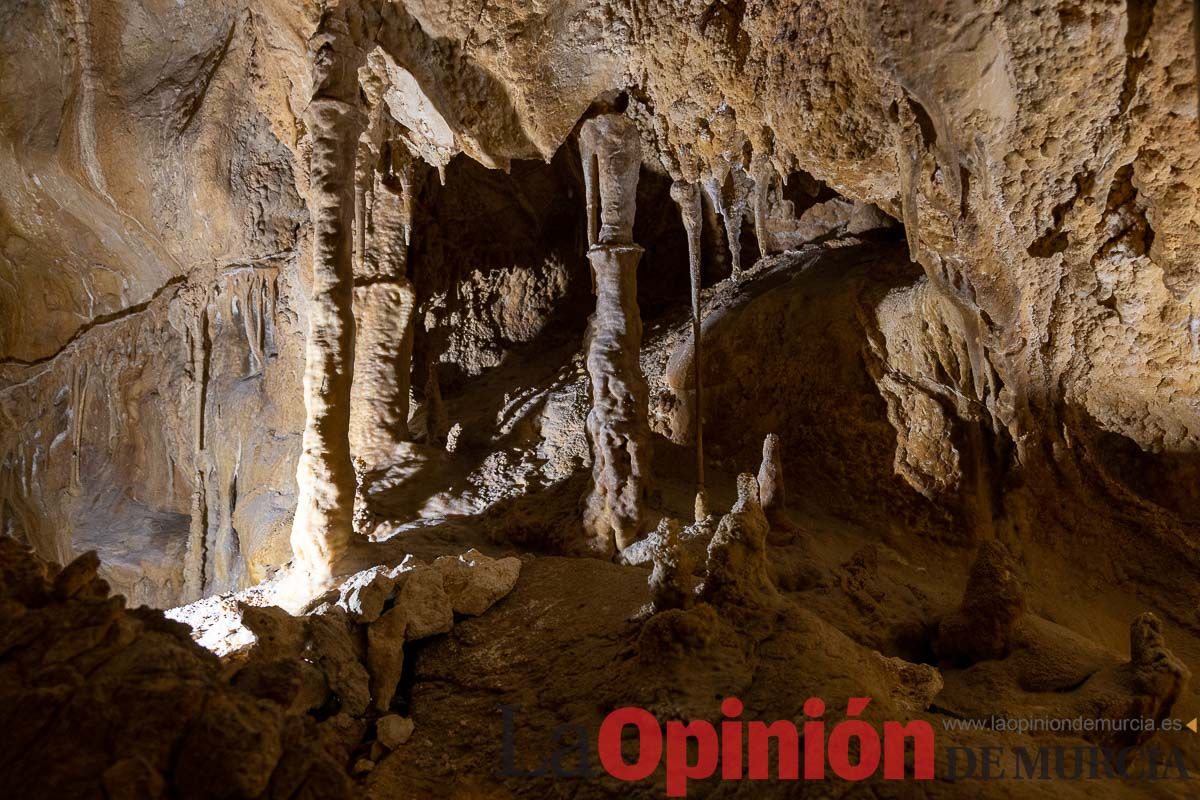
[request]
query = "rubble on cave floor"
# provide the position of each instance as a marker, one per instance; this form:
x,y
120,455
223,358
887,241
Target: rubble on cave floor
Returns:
x,y
99,700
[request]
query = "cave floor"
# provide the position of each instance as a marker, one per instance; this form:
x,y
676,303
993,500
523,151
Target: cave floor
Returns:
x,y
569,645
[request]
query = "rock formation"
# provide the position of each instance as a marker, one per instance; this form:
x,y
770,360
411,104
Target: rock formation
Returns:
x,y
384,312
105,701
736,574
671,578
323,532
993,602
1159,676
227,272
617,425
687,196
770,483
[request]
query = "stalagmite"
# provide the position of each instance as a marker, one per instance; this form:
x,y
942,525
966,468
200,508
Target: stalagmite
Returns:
x,y
737,572
671,578
770,482
322,531
994,601
700,508
618,425
384,305
1159,677
687,196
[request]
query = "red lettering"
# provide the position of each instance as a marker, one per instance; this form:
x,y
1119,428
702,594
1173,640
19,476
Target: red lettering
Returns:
x,y
894,736
679,770
650,744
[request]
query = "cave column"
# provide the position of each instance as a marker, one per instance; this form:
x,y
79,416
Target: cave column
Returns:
x,y
687,196
384,305
322,530
618,423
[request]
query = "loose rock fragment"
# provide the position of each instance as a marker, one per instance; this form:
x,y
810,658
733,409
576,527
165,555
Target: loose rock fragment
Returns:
x,y
475,582
393,730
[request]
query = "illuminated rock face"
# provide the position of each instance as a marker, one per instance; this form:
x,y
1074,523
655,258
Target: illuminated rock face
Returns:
x,y
264,265
322,531
384,310
172,230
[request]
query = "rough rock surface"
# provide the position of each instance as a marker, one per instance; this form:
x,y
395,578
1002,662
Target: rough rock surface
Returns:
x,y
323,268
1045,180
103,701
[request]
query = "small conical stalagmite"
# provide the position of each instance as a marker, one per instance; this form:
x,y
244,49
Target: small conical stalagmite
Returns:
x,y
1159,676
770,481
982,627
671,578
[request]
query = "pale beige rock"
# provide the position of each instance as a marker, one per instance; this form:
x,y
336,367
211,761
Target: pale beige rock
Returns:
x,y
618,426
426,606
475,582
363,594
322,531
385,655
393,730
770,480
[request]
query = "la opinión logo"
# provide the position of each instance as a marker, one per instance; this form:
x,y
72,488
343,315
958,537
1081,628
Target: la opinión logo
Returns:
x,y
853,750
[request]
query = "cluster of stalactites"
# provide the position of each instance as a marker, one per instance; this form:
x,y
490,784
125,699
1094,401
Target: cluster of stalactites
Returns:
x,y
737,176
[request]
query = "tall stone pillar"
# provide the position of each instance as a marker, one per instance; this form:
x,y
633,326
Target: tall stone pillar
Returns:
x,y
384,309
618,424
687,196
322,530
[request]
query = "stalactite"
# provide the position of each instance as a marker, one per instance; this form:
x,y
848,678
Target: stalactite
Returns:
x,y
730,195
617,424
687,197
79,395
763,174
196,553
908,158
404,167
437,424
322,531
